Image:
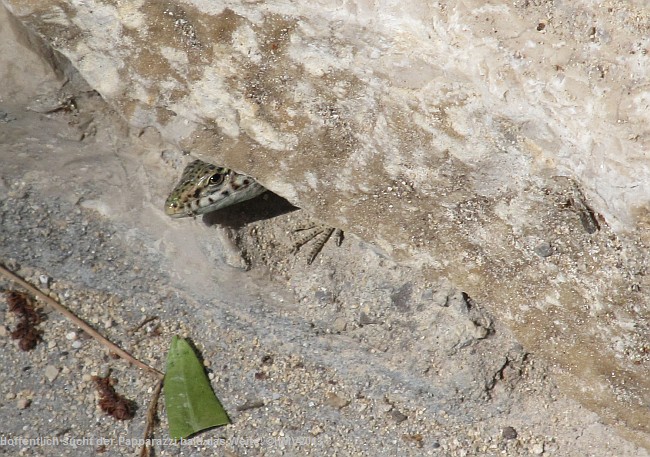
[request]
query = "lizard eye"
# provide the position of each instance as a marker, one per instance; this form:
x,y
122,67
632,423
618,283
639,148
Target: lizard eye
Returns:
x,y
216,179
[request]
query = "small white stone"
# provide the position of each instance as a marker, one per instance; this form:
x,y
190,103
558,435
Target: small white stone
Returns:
x,y
71,336
44,280
538,449
51,372
77,344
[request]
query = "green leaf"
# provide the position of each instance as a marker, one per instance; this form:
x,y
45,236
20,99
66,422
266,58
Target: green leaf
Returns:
x,y
189,399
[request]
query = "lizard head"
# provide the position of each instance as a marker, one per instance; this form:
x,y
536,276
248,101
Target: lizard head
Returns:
x,y
204,187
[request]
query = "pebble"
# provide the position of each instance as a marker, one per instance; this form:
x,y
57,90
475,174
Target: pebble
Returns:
x,y
44,280
23,403
333,400
6,117
544,249
365,319
538,449
509,433
51,372
339,324
71,336
398,416
427,294
76,344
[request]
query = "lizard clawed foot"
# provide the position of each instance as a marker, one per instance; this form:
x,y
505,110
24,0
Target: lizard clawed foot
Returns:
x,y
320,234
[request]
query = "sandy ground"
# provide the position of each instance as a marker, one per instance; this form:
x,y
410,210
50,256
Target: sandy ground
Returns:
x,y
353,355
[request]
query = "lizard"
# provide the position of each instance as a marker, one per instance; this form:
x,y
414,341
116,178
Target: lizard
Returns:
x,y
204,187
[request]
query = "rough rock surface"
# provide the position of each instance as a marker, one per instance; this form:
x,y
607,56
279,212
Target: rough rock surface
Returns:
x,y
499,145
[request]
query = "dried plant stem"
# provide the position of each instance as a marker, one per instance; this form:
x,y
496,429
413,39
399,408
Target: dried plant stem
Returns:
x,y
151,418
79,322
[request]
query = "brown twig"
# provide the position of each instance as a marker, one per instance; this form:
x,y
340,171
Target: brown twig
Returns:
x,y
79,322
151,418
143,323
